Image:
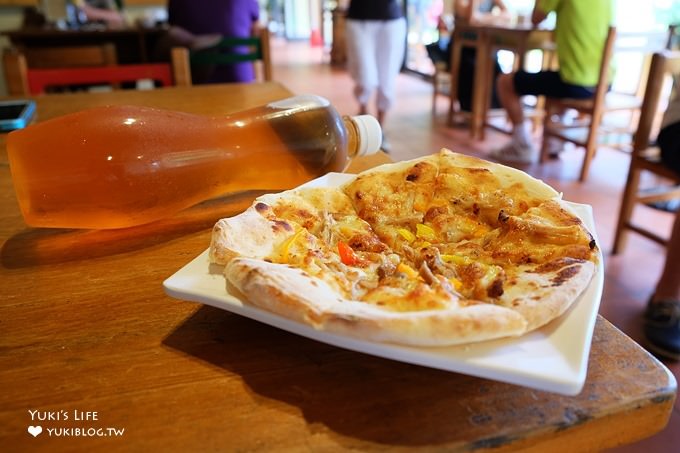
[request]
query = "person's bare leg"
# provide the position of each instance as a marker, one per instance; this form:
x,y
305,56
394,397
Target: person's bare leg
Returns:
x,y
520,147
668,287
381,117
181,37
509,99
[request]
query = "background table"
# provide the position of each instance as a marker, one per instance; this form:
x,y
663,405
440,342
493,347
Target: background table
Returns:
x,y
85,326
132,45
487,38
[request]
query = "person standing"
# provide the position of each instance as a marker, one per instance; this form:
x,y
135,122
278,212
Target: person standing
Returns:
x,y
662,317
581,29
232,18
376,45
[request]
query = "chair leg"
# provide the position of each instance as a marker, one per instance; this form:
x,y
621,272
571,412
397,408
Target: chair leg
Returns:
x,y
626,209
435,93
452,108
456,54
591,146
543,157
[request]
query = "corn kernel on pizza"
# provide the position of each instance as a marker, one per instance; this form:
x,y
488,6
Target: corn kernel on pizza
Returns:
x,y
441,250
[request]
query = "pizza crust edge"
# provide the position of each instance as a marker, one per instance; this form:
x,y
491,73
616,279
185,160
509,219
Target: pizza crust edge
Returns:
x,y
292,293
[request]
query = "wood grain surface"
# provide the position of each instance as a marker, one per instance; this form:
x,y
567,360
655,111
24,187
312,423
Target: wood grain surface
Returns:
x,y
86,327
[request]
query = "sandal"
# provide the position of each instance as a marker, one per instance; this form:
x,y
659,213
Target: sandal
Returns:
x,y
662,328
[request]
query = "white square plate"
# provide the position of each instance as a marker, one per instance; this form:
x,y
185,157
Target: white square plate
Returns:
x,y
553,358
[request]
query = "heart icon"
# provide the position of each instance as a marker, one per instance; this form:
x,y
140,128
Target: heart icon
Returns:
x,y
34,430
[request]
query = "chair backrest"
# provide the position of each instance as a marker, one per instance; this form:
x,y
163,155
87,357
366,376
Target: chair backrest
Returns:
x,y
665,63
633,50
70,56
251,49
605,70
23,80
646,158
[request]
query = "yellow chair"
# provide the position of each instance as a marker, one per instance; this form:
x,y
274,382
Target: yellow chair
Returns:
x,y
645,158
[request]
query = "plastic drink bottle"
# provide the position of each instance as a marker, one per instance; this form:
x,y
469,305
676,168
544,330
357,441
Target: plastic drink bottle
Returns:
x,y
120,166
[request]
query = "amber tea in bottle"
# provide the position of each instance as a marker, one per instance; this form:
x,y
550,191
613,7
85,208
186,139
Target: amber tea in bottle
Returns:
x,y
120,166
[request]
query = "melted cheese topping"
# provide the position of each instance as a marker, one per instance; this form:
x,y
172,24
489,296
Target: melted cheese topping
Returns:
x,y
427,238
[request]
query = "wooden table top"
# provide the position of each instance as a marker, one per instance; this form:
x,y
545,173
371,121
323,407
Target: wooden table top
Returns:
x,y
89,343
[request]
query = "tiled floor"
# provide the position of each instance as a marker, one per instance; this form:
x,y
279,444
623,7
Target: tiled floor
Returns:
x,y
413,131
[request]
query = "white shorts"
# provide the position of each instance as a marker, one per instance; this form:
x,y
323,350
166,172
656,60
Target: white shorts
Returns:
x,y
375,54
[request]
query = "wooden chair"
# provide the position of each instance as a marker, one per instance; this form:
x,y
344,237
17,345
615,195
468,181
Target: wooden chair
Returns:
x,y
591,130
593,109
460,40
256,48
25,81
641,46
645,158
441,83
70,56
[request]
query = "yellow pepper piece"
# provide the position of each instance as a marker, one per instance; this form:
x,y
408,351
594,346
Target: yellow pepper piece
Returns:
x,y
455,259
408,270
406,234
285,247
457,284
480,231
425,232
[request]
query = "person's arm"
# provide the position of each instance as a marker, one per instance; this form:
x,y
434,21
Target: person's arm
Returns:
x,y
462,9
255,19
113,18
538,15
501,5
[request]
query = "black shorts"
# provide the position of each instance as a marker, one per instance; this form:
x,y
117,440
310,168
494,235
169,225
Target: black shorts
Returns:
x,y
549,83
669,142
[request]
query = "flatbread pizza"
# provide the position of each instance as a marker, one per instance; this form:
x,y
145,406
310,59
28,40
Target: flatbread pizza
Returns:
x,y
442,250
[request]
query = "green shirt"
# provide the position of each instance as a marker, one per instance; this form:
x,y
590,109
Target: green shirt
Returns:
x,y
580,33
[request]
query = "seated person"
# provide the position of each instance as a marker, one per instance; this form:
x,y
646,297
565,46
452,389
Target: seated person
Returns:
x,y
669,143
440,50
232,18
662,318
109,12
465,11
579,63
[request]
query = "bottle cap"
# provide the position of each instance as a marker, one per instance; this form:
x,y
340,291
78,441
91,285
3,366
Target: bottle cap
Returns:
x,y
370,134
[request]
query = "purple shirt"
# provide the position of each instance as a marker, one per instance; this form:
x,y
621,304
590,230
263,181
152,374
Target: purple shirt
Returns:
x,y
233,18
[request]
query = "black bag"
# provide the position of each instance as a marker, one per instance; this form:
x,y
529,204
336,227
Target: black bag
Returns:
x,y
466,75
466,79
